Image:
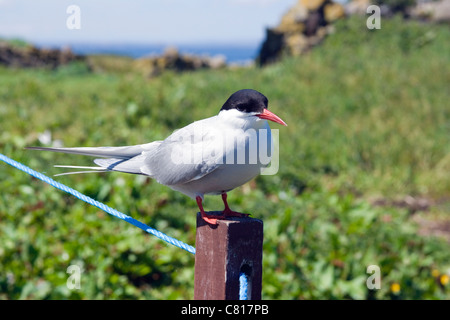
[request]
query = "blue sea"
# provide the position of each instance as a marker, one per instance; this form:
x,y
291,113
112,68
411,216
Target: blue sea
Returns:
x,y
234,53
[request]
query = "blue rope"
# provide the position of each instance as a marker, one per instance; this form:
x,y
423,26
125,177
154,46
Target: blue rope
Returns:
x,y
99,205
243,280
243,286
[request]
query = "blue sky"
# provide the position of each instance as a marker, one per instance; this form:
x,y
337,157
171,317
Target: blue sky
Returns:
x,y
141,21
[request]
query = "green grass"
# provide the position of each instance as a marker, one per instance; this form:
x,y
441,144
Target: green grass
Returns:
x,y
368,117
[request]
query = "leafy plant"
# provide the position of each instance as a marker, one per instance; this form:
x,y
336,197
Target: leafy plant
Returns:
x,y
366,118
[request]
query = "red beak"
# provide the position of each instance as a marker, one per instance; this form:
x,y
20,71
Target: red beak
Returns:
x,y
266,114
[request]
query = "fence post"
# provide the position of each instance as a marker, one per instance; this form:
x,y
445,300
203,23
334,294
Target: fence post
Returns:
x,y
223,251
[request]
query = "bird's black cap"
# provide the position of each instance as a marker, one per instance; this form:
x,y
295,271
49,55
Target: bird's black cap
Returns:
x,y
246,100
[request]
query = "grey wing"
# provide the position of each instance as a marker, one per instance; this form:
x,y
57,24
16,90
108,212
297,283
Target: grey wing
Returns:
x,y
184,156
125,152
132,165
127,159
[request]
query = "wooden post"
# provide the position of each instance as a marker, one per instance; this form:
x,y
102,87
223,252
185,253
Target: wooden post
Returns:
x,y
222,252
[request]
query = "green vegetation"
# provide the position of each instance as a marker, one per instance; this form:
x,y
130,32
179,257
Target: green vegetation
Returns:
x,y
368,117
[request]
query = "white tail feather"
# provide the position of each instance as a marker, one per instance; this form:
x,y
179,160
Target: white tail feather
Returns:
x,y
92,169
77,172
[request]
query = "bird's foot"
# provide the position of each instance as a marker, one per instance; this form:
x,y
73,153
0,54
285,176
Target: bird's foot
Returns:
x,y
227,212
211,218
230,213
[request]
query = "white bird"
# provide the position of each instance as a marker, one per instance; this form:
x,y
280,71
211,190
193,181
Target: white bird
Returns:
x,y
209,156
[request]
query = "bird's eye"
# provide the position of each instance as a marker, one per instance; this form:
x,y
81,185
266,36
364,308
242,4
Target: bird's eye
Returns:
x,y
240,107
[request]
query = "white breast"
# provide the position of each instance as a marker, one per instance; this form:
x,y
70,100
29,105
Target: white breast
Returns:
x,y
248,154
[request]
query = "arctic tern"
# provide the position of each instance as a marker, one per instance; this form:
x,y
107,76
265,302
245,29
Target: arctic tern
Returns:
x,y
209,156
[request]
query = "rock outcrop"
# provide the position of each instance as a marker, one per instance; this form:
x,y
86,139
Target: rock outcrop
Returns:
x,y
33,57
435,11
305,25
171,59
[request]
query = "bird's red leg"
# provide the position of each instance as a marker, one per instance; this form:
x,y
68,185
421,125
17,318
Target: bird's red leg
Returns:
x,y
227,212
211,219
